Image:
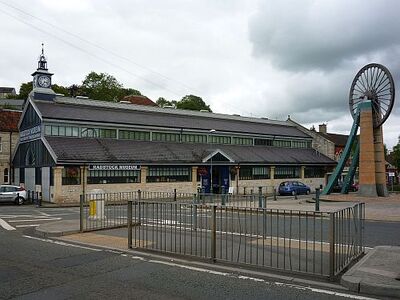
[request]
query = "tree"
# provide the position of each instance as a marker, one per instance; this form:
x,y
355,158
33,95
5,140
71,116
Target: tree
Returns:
x,y
161,102
102,87
192,102
396,154
24,90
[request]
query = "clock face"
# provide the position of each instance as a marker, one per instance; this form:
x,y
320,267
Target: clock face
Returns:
x,y
43,81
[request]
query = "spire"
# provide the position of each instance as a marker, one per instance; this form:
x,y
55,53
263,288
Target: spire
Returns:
x,y
42,63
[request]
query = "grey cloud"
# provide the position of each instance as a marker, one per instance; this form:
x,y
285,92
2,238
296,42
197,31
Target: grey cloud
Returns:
x,y
307,35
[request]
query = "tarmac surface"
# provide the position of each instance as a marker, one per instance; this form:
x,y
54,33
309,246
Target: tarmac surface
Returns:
x,y
377,273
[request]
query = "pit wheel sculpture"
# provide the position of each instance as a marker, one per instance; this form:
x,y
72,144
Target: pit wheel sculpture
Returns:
x,y
373,85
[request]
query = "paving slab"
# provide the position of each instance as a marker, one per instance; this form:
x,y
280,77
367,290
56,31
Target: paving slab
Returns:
x,y
58,228
378,273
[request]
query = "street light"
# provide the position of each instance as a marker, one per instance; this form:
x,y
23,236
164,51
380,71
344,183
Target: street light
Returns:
x,y
211,167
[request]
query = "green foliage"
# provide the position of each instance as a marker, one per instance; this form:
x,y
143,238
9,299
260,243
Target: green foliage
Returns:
x,y
25,89
59,89
192,102
396,154
101,87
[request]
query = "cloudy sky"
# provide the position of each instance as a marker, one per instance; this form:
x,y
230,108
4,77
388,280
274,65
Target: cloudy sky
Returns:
x,y
255,58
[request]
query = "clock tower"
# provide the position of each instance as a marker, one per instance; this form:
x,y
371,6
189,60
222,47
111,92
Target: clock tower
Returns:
x,y
42,80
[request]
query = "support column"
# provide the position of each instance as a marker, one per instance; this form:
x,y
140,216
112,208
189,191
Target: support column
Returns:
x,y
380,169
143,175
367,152
57,184
302,169
194,179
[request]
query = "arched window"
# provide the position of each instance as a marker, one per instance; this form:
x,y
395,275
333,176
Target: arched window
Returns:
x,y
6,175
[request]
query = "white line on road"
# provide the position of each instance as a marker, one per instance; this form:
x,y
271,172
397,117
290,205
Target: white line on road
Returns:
x,y
5,225
27,225
295,286
44,214
34,220
61,243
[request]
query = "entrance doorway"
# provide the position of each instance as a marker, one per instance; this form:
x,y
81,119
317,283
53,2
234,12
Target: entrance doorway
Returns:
x,y
220,180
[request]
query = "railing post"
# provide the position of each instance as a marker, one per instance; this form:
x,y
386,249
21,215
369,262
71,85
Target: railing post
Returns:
x,y
260,204
274,193
332,245
139,194
214,233
317,191
129,224
174,194
194,217
81,214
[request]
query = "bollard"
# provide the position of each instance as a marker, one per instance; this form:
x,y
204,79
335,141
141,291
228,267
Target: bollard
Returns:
x,y
244,190
295,195
175,195
139,194
317,191
274,193
260,204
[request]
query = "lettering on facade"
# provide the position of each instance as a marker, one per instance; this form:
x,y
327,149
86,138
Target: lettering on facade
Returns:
x,y
30,134
113,167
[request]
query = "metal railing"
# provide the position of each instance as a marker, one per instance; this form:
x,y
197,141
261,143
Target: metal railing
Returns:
x,y
108,210
253,200
320,243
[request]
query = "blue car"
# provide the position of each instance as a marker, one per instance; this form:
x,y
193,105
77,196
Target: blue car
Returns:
x,y
293,187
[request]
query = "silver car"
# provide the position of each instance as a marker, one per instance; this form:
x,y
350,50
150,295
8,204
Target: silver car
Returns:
x,y
12,193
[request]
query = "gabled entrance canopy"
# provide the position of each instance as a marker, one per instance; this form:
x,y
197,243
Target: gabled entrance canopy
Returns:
x,y
218,155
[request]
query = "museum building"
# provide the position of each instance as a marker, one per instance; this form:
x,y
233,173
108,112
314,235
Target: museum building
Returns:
x,y
69,146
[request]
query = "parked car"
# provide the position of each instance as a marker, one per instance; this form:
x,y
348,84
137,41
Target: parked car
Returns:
x,y
293,187
12,193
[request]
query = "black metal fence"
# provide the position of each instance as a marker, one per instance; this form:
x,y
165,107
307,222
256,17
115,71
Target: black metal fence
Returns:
x,y
320,243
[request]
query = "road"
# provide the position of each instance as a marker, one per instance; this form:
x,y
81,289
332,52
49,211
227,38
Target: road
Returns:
x,y
37,268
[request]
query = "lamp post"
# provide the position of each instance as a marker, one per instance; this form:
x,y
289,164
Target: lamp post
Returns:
x,y
211,166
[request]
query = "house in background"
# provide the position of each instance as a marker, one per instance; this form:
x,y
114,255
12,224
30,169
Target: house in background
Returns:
x,y
138,100
8,139
7,91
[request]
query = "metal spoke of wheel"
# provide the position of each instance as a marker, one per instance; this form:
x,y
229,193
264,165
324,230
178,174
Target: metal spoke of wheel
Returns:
x,y
373,83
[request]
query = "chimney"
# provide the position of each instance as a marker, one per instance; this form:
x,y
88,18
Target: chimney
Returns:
x,y
322,128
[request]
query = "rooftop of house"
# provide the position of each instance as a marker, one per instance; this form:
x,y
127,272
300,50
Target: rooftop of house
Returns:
x,y
138,100
7,90
9,120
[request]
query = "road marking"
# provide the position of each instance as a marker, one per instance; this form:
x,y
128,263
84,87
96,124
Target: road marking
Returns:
x,y
5,225
294,286
61,243
34,220
44,214
27,225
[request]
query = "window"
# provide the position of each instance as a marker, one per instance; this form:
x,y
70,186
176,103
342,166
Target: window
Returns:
x,y
219,139
38,176
263,142
193,138
287,172
90,132
108,133
71,175
6,175
314,172
101,176
165,137
134,135
57,130
22,175
169,174
282,143
299,144
251,173
242,141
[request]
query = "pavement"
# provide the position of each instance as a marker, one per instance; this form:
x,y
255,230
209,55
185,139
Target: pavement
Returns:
x,y
377,273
